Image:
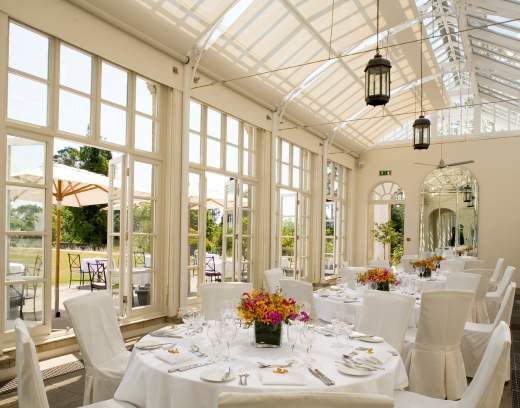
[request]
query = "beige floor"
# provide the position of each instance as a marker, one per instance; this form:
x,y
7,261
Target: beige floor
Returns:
x,y
67,392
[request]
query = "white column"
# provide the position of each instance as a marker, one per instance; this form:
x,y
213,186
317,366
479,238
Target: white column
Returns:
x,y
274,220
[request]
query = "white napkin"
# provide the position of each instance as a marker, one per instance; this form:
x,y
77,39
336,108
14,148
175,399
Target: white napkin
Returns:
x,y
290,378
145,344
279,362
170,358
167,331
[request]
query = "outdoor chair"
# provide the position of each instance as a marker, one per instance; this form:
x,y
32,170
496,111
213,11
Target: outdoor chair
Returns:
x,y
139,258
97,275
210,269
34,270
75,267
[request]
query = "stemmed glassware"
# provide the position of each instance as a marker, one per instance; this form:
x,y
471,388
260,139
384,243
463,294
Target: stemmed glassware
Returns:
x,y
292,331
227,330
307,337
213,334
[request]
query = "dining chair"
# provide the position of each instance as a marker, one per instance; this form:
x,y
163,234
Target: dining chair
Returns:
x,y
348,275
479,311
452,265
300,291
101,344
485,391
387,315
97,275
216,296
378,263
30,386
302,400
498,271
75,267
434,361
463,281
476,335
493,299
139,259
272,279
406,262
34,270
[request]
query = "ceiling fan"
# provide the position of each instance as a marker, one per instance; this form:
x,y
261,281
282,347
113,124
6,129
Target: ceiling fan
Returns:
x,y
442,164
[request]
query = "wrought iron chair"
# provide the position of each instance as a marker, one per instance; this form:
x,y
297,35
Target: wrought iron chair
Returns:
x,y
139,258
97,275
210,269
75,267
34,270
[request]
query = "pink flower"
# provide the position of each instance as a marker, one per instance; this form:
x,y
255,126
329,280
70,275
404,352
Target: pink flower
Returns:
x,y
274,317
304,316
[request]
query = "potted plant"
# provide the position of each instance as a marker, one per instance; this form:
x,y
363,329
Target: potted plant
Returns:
x,y
380,278
266,312
386,234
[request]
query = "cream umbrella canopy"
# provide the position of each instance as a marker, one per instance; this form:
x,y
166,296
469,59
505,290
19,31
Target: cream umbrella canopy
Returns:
x,y
71,187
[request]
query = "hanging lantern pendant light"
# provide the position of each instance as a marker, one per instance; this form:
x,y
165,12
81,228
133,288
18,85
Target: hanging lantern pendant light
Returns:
x,y
377,75
421,125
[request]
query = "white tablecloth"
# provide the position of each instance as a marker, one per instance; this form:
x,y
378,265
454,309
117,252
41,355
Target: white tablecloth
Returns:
x,y
147,382
93,261
16,268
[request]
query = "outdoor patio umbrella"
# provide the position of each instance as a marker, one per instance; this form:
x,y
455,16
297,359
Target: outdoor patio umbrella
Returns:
x,y
71,187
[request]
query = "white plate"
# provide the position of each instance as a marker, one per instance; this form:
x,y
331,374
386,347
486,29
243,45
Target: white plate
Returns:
x,y
356,372
371,339
347,300
215,374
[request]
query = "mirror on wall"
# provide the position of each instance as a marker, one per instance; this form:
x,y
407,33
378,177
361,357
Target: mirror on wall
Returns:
x,y
449,210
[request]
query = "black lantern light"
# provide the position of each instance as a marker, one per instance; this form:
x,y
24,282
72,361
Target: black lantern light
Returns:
x,y
377,75
467,195
421,125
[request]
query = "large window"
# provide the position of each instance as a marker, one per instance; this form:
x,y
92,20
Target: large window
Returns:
x,y
221,195
335,217
292,167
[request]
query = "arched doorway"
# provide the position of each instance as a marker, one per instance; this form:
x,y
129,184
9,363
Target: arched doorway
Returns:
x,y
386,222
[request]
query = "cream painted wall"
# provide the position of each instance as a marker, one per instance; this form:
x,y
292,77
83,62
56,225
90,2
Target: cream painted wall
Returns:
x,y
498,176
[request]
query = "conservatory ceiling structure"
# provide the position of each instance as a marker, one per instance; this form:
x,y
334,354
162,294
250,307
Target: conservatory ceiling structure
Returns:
x,y
306,59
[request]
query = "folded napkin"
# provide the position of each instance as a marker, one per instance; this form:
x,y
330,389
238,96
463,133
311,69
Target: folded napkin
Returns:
x,y
180,358
290,378
326,330
167,331
148,344
278,362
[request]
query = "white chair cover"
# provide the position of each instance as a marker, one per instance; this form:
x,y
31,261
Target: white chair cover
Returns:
x,y
476,336
217,296
31,391
272,278
493,299
348,275
463,281
406,262
300,291
302,400
378,263
452,265
386,314
100,342
498,271
485,391
435,363
479,312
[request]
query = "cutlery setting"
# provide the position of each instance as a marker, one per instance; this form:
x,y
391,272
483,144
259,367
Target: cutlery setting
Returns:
x,y
191,366
322,377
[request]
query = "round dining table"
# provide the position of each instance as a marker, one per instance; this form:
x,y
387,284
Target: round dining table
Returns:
x,y
148,382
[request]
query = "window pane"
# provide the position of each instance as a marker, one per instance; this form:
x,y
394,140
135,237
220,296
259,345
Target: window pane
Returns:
x,y
74,113
214,123
25,256
245,163
143,179
285,174
113,84
194,148
248,137
213,152
143,216
193,198
24,301
285,151
27,100
232,130
195,115
296,177
145,96
296,156
113,124
75,69
26,160
25,208
28,51
232,159
143,133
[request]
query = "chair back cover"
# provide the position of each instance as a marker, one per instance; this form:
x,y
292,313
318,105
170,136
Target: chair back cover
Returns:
x,y
463,281
217,296
436,366
479,312
498,271
506,306
348,275
31,391
507,277
406,262
387,315
300,291
302,400
488,384
452,265
272,278
378,263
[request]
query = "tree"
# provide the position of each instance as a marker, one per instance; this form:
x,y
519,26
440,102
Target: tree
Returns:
x,y
25,217
386,234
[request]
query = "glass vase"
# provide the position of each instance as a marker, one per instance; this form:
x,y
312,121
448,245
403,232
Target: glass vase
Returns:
x,y
268,335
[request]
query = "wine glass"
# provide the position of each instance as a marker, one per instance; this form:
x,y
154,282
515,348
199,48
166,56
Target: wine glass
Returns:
x,y
307,337
292,334
186,314
227,330
214,338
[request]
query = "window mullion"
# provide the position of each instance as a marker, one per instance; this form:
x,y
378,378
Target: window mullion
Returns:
x,y
95,106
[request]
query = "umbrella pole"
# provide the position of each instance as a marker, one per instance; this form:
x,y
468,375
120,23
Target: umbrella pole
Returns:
x,y
58,250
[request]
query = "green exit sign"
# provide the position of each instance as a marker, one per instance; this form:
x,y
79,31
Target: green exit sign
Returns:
x,y
385,172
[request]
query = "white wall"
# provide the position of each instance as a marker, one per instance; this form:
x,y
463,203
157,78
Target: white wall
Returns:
x,y
498,175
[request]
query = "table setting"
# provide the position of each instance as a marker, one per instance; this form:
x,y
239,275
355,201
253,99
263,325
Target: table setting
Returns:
x,y
268,343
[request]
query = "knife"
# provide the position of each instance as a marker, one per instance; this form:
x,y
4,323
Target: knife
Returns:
x,y
322,377
189,367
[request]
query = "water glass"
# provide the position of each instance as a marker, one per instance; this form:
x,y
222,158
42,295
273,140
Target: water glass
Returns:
x,y
307,337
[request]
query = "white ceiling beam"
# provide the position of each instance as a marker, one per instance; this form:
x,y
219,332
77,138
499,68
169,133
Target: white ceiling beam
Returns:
x,y
468,49
487,64
496,7
485,35
216,30
442,14
503,88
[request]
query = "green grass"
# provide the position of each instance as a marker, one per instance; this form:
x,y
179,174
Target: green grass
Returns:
x,y
27,257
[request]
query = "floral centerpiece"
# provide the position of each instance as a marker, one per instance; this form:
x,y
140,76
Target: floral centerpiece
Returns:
x,y
424,267
380,277
267,311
